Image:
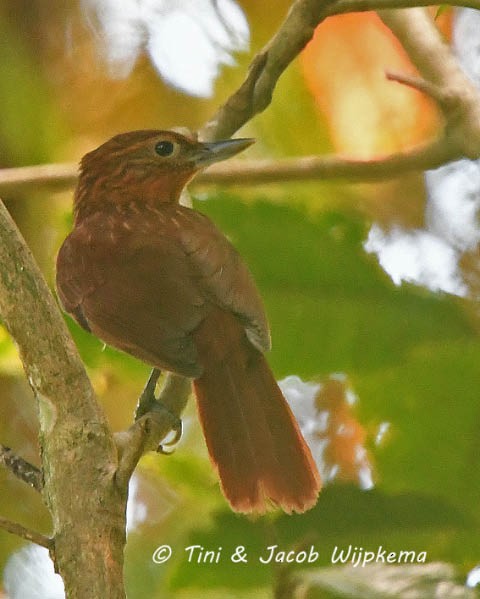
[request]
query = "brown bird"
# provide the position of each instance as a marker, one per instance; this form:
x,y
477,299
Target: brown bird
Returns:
x,y
161,282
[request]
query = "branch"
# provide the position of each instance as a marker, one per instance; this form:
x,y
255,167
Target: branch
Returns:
x,y
423,157
22,469
78,452
425,87
257,172
55,177
26,533
255,94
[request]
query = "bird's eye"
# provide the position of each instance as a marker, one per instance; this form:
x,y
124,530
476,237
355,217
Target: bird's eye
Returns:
x,y
165,148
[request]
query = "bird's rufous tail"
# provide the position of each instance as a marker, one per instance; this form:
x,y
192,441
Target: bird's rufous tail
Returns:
x,y
252,436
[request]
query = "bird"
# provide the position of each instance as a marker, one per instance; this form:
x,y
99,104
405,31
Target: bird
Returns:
x,y
159,281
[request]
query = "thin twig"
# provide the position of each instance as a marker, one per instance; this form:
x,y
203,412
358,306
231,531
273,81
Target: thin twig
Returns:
x,y
425,46
22,469
425,87
26,533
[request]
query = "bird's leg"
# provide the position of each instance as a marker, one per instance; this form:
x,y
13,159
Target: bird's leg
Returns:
x,y
148,402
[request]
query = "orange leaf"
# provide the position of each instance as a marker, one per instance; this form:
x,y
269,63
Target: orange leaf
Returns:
x,y
344,67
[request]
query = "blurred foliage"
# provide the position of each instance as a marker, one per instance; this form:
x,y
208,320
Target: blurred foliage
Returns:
x,y
412,356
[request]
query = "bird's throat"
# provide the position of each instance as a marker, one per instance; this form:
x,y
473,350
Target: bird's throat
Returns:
x,y
143,188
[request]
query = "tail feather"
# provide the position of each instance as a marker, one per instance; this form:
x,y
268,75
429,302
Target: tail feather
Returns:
x,y
252,436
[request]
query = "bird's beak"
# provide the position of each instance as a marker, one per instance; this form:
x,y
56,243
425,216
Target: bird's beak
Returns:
x,y
208,153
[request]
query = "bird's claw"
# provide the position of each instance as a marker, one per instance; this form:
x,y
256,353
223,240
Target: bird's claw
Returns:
x,y
177,428
148,402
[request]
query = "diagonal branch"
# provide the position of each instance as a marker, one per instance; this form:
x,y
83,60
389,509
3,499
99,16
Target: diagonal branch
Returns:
x,y
255,94
26,533
422,85
30,474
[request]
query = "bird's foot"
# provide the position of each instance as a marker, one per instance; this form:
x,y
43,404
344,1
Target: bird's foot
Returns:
x,y
148,403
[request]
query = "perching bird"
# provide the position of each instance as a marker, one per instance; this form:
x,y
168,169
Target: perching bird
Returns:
x,y
161,282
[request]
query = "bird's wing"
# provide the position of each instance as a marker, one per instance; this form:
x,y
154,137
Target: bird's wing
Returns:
x,y
146,283
222,273
132,287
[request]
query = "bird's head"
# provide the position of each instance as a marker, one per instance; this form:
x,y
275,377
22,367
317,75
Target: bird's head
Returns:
x,y
150,166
